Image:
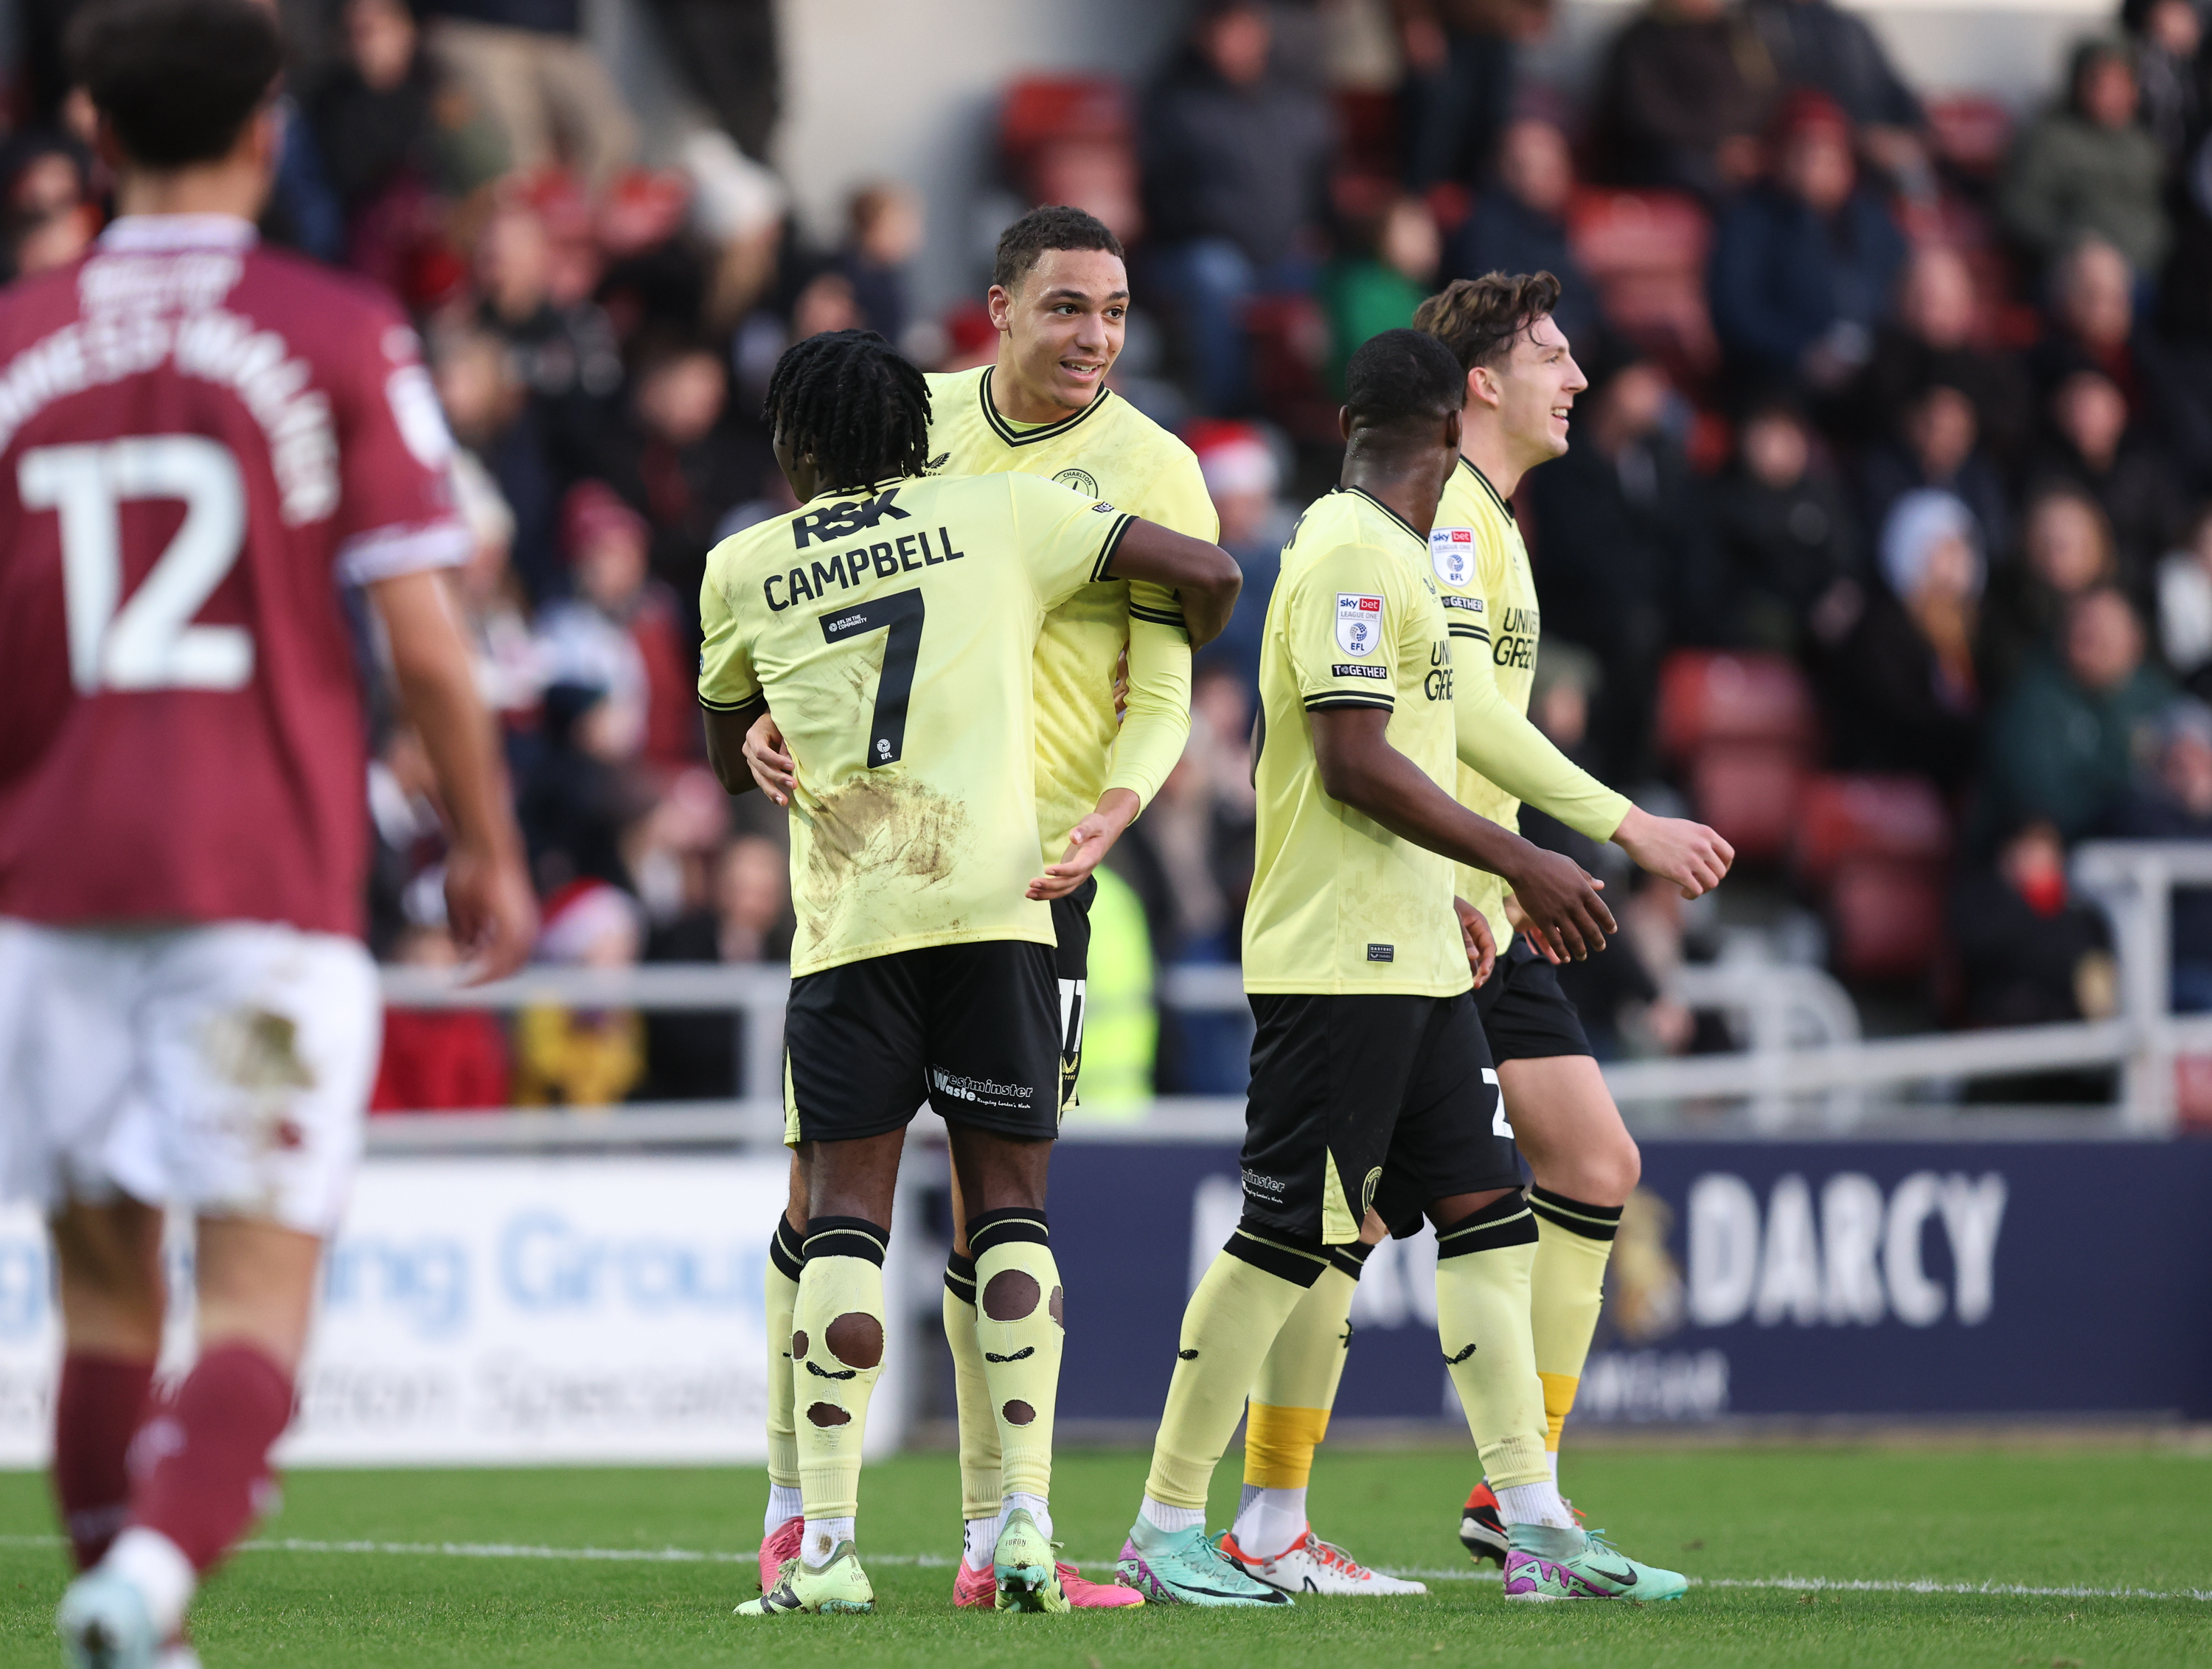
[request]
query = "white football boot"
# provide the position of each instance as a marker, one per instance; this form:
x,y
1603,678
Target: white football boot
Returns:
x,y
1310,1565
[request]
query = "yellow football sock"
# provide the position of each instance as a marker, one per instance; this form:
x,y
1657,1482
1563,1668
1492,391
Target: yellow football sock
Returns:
x,y
782,1298
1483,1268
1228,1327
980,1490
1566,1291
1288,1415
837,1353
1020,1307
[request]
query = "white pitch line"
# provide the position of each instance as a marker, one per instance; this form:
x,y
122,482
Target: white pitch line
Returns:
x,y
935,1561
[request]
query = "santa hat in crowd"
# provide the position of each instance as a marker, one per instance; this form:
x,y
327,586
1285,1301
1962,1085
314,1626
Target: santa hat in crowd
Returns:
x,y
1235,458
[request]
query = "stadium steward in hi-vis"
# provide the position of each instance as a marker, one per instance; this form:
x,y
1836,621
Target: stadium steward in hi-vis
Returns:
x,y
1460,752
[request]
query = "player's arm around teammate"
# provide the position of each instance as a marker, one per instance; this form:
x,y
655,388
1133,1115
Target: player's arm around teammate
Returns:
x,y
913,967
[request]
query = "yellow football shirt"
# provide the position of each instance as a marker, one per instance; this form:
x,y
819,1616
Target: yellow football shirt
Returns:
x,y
1338,903
1111,451
892,632
1489,595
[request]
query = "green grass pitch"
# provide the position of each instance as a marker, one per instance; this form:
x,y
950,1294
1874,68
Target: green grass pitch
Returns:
x,y
2099,1521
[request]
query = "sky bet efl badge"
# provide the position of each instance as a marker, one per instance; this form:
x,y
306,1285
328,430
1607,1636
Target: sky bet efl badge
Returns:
x,y
1452,551
1359,623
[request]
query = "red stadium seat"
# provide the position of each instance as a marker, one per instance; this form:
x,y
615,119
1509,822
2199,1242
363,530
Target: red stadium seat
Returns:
x,y
1879,847
1069,139
1708,695
1617,232
1367,132
1049,110
1747,792
1645,252
1896,819
1290,343
1886,917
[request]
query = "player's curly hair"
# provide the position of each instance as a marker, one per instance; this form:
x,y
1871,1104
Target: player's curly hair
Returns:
x,y
1056,225
846,400
1480,318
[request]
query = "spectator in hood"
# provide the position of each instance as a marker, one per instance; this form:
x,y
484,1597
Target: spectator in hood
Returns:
x,y
1804,266
1902,691
2089,169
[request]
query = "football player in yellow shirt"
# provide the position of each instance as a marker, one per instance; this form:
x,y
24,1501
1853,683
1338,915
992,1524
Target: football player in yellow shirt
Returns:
x,y
1060,297
1374,1101
891,623
1522,381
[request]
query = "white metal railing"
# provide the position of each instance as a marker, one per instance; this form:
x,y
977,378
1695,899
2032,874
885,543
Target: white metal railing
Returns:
x,y
1806,1054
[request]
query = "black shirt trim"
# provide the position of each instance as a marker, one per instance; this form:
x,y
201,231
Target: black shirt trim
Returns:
x,y
1323,703
1418,538
1014,437
1496,497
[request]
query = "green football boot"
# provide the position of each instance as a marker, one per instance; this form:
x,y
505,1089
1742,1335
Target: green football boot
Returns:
x,y
1188,1567
839,1586
1022,1566
1543,1564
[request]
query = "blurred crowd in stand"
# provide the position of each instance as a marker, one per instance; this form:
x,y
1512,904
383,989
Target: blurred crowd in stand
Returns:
x,y
1884,544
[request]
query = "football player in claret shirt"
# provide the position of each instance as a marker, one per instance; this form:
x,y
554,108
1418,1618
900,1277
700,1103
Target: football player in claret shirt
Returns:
x,y
1374,1100
200,442
1522,381
890,624
1060,294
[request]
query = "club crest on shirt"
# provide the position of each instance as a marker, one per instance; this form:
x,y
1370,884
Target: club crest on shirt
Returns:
x,y
1452,551
1359,622
1082,480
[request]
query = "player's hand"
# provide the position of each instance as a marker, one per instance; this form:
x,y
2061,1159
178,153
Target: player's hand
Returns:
x,y
1122,686
1087,843
1481,946
1567,920
1676,849
774,771
493,912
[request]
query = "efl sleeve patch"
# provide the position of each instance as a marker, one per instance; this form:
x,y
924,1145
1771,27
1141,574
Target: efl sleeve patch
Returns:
x,y
1451,550
1359,622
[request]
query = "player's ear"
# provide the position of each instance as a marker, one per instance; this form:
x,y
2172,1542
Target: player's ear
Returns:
x,y
1344,422
1454,424
998,301
110,148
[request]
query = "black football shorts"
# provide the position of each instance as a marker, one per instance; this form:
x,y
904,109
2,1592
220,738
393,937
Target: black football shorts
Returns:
x,y
1382,1101
974,1028
1525,1015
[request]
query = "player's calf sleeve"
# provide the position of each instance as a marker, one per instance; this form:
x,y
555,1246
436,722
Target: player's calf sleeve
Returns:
x,y
1020,1325
1228,1327
837,1354
203,1459
1483,1267
97,1405
1296,1384
1566,1291
980,1490
785,1250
